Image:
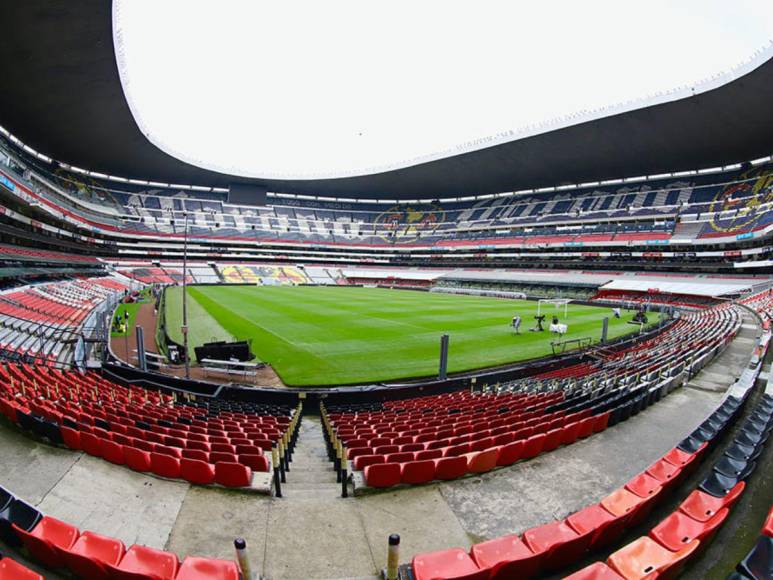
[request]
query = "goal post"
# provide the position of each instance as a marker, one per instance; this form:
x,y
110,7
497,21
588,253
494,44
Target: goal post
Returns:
x,y
557,303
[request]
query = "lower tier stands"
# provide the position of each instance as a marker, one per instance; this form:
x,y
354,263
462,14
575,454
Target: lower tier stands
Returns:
x,y
203,442
672,542
551,547
451,435
58,546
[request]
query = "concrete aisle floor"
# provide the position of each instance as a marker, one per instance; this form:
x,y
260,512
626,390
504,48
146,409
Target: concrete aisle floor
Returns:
x,y
314,533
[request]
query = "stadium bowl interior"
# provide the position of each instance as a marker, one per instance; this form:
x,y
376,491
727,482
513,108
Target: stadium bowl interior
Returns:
x,y
566,377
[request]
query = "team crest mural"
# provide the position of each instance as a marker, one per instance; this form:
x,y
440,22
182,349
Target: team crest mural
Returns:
x,y
744,199
403,224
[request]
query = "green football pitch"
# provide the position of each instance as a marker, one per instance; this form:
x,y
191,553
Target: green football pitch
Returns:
x,y
316,335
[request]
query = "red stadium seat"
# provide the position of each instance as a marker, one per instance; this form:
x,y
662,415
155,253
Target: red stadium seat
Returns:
x,y
450,467
196,454
171,451
248,450
483,461
255,462
200,445
386,449
644,485
197,471
12,570
482,444
91,444
586,427
571,433
552,439
398,457
596,571
72,438
510,453
702,507
207,569
48,540
507,557
428,454
143,562
137,459
563,544
415,472
92,553
603,525
113,452
165,465
533,446
218,456
666,473
363,461
233,474
382,474
646,558
456,450
679,529
622,502
681,458
448,564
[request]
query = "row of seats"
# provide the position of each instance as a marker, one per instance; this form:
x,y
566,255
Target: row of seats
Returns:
x,y
555,545
204,442
672,542
57,545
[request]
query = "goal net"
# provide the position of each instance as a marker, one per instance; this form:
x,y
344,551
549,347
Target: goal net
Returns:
x,y
557,303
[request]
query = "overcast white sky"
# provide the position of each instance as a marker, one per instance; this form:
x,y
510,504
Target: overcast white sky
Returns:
x,y
316,88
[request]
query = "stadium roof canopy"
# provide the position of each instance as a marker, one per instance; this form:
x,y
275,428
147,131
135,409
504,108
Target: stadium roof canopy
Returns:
x,y
62,95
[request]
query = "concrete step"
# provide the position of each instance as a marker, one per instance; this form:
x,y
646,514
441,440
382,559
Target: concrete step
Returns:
x,y
321,477
311,473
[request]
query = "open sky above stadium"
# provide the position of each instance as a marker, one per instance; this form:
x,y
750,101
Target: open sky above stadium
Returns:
x,y
328,89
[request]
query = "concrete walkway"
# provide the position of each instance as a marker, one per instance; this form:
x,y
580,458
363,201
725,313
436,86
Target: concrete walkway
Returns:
x,y
314,533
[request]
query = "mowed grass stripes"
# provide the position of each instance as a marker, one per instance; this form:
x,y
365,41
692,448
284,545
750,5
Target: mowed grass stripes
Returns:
x,y
315,335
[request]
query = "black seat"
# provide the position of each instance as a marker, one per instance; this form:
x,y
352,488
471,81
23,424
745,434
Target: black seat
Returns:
x,y
690,444
20,513
758,563
717,484
52,432
738,468
743,452
746,438
26,421
6,497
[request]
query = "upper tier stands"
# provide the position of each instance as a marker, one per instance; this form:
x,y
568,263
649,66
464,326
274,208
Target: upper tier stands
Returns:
x,y
636,212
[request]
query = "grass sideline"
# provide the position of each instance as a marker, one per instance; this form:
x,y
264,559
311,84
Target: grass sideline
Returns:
x,y
314,335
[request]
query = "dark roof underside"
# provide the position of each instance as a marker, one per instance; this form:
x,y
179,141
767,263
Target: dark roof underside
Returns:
x,y
62,95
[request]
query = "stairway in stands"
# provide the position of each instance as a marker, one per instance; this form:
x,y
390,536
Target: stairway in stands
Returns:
x,y
311,473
